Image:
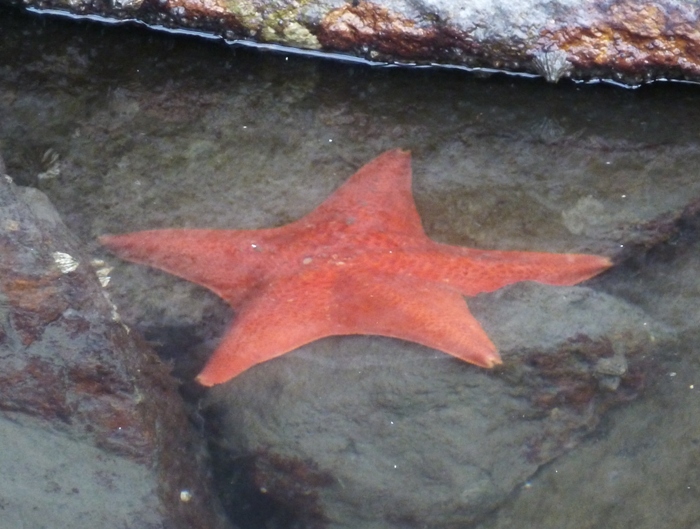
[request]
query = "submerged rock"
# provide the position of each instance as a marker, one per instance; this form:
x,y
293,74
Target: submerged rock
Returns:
x,y
640,470
380,433
94,432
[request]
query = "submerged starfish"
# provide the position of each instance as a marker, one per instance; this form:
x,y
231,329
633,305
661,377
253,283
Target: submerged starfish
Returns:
x,y
360,263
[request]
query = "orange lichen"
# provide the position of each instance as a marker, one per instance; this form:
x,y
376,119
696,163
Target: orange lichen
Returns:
x,y
364,24
628,37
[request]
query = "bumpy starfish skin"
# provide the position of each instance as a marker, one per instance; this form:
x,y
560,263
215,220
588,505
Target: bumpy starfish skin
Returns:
x,y
360,263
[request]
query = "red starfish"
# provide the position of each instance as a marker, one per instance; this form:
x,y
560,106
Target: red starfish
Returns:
x,y
360,263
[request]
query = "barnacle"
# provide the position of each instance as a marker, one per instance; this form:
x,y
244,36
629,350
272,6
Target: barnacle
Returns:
x,y
551,64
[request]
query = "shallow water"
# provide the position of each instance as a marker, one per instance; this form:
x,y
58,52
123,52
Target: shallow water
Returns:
x,y
127,130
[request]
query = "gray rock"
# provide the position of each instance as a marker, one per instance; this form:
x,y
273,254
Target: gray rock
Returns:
x,y
638,472
641,469
52,480
374,432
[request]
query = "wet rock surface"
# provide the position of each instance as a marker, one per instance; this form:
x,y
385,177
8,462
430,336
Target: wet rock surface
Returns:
x,y
374,432
649,442
186,134
624,40
94,432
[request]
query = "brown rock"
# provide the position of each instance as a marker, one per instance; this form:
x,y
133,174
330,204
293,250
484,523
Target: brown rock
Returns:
x,y
97,432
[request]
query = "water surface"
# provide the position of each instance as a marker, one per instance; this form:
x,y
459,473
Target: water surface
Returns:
x,y
125,129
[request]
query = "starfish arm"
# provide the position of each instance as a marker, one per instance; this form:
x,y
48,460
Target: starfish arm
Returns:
x,y
285,315
227,262
377,197
306,308
431,314
476,271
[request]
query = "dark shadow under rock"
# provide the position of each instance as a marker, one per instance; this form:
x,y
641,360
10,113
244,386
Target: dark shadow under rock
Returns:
x,y
374,432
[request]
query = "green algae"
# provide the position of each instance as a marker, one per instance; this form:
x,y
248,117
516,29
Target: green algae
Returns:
x,y
280,25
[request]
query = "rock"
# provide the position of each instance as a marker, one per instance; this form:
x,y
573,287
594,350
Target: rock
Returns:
x,y
502,165
624,40
374,432
641,469
94,432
